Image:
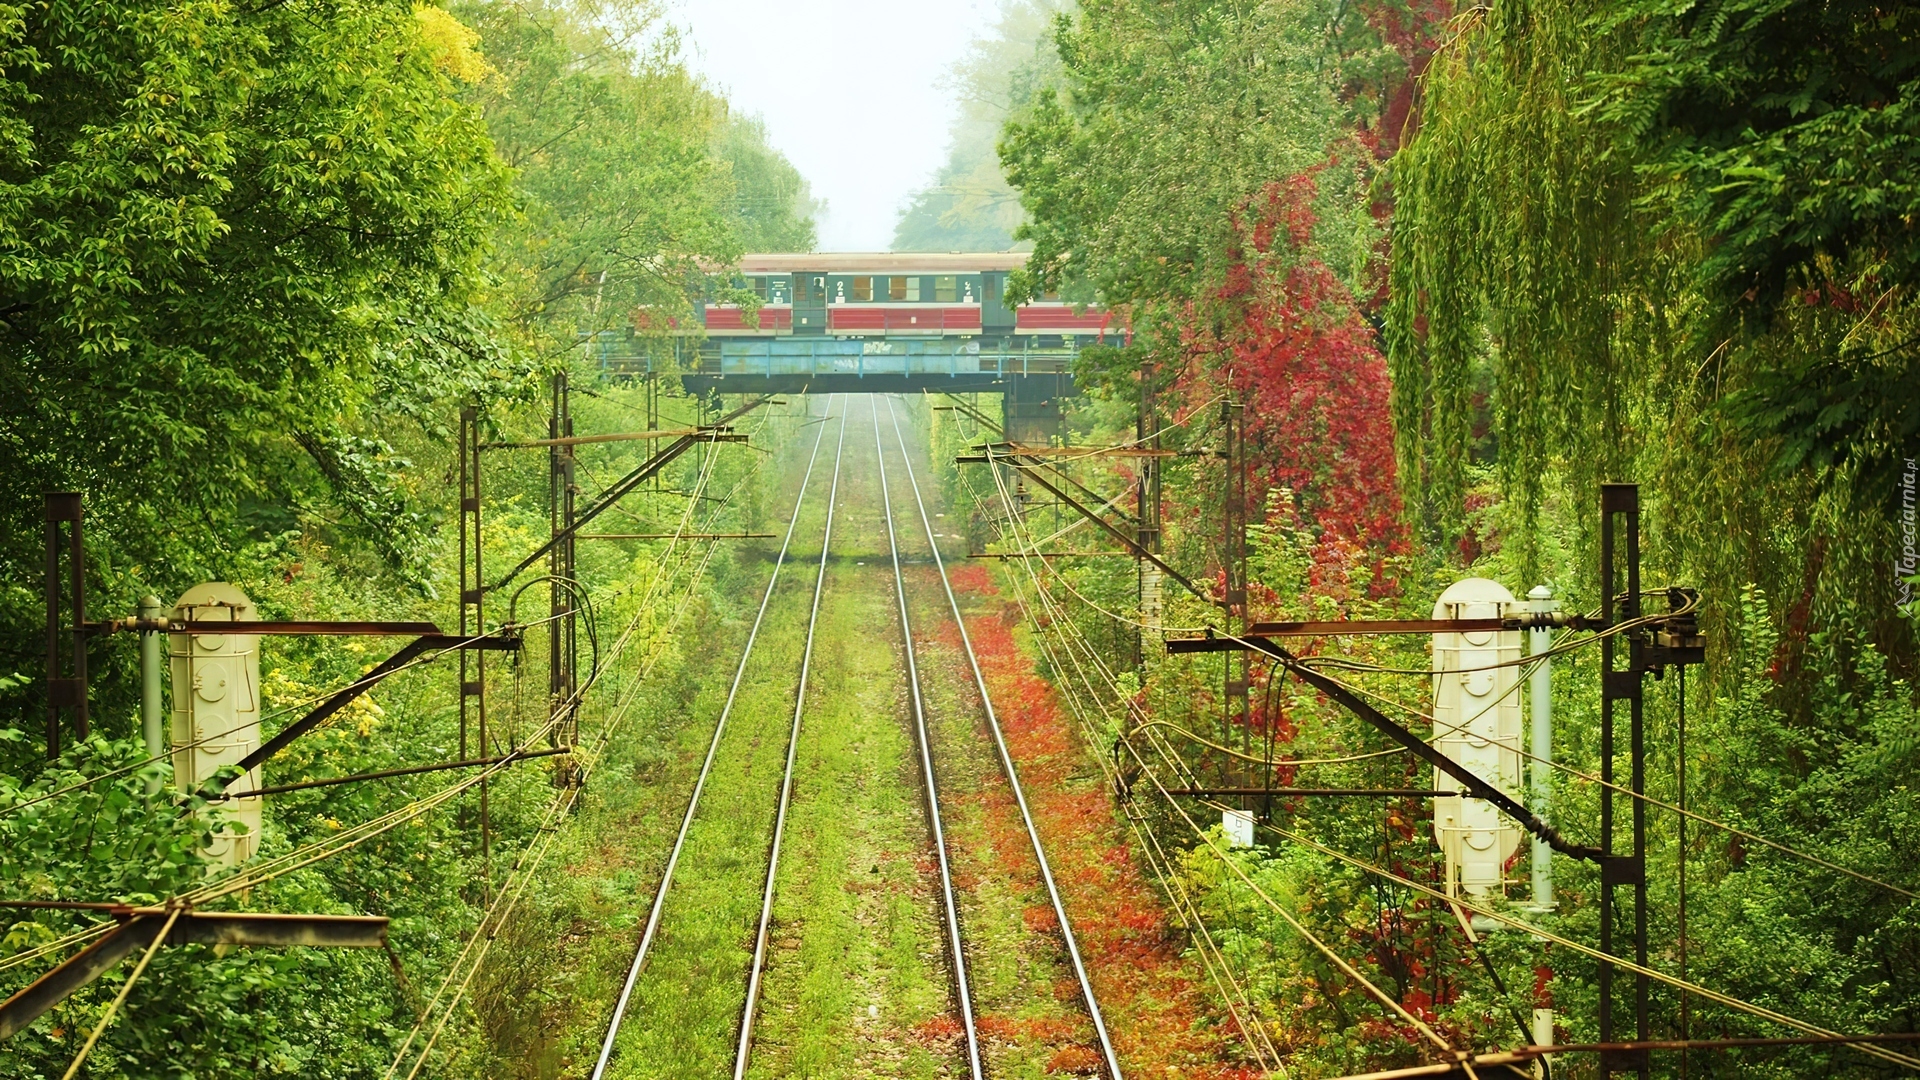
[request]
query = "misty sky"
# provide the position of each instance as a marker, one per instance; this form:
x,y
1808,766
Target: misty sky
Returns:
x,y
848,90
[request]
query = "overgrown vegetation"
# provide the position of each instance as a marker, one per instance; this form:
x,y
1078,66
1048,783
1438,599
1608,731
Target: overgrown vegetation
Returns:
x,y
1459,262
257,259
1649,242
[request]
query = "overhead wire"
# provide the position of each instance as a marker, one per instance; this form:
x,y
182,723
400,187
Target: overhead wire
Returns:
x,y
1231,988
423,659
524,869
1586,950
1259,1045
119,999
1716,996
534,856
1391,1004
256,872
1277,762
1578,774
1564,645
59,944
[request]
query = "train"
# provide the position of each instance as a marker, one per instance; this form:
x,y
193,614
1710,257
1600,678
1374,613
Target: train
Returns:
x,y
880,322
891,295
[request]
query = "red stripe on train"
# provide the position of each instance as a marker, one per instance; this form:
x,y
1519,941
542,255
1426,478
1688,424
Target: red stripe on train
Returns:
x,y
1060,318
732,318
853,320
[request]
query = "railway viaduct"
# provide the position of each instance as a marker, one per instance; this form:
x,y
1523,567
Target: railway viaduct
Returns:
x,y
889,322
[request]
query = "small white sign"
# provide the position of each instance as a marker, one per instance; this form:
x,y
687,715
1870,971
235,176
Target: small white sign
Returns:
x,y
1238,825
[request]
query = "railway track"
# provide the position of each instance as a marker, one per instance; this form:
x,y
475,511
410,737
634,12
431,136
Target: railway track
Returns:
x,y
650,934
743,1051
1109,1060
956,948
954,944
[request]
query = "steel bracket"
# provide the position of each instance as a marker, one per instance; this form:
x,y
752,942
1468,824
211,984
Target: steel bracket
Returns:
x,y
140,926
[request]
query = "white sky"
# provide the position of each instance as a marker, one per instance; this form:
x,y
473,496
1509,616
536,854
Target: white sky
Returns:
x,y
848,92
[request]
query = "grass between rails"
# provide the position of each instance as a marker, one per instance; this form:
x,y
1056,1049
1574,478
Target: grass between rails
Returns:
x,y
856,979
685,1011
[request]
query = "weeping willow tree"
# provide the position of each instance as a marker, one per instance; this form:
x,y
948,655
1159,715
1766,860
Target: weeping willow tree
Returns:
x,y
1671,246
1674,244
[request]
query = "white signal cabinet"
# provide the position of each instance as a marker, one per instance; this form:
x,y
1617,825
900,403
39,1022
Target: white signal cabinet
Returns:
x,y
216,707
1477,722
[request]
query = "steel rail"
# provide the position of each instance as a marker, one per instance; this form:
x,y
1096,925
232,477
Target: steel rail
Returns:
x,y
1108,1057
963,988
699,786
744,1049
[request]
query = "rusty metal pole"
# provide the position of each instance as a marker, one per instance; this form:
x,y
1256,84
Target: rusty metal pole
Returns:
x,y
1147,507
151,610
568,491
1620,512
54,702
77,579
563,634
473,664
68,692
466,506
1234,558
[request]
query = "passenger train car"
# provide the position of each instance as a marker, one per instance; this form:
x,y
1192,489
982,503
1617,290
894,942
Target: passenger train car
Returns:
x,y
892,295
880,323
843,318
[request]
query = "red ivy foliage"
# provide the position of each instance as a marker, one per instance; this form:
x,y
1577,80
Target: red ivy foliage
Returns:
x,y
1316,389
1410,28
1157,1009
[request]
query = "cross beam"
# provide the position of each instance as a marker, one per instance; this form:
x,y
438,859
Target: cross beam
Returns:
x,y
716,432
140,926
1116,532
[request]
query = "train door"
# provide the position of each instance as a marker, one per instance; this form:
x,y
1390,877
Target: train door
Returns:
x,y
995,316
809,303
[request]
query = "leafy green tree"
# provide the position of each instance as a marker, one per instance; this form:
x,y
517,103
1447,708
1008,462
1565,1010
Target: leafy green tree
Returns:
x,y
1666,243
1139,176
620,199
253,258
773,207
1789,134
225,229
633,178
970,206
1669,243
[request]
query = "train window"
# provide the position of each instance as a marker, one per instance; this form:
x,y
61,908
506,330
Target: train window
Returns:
x,y
863,288
946,288
912,289
759,288
1051,296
